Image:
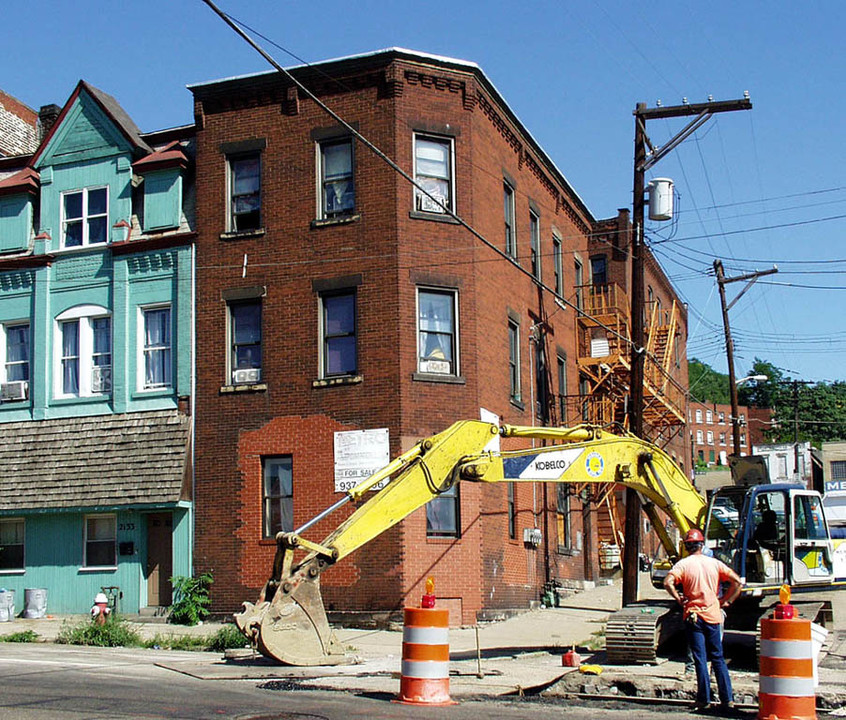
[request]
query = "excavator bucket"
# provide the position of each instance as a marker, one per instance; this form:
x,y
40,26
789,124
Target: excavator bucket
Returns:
x,y
293,628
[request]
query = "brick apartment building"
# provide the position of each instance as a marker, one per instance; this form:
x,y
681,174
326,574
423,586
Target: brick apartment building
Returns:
x,y
334,297
710,432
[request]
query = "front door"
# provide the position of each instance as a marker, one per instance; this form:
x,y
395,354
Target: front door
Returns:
x,y
159,559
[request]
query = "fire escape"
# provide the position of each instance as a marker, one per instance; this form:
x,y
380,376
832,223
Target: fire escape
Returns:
x,y
604,363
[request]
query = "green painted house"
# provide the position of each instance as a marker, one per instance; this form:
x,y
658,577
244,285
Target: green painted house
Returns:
x,y
96,287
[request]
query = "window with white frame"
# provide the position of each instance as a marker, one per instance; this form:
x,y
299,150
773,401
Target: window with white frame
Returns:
x,y
698,437
433,171
245,192
85,217
721,418
742,439
722,438
709,417
437,331
557,264
156,347
83,352
338,330
245,341
710,436
534,244
335,168
100,541
699,416
12,534
278,495
514,360
508,212
16,339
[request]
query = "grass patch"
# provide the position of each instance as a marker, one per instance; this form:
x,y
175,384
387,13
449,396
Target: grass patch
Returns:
x,y
596,642
25,636
225,638
113,633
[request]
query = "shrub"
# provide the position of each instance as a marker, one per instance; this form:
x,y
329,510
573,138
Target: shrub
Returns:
x,y
228,637
176,642
25,636
115,632
191,598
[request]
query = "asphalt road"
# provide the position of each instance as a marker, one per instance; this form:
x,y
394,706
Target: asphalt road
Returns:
x,y
41,681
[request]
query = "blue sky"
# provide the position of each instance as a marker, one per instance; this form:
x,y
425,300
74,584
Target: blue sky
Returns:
x,y
755,188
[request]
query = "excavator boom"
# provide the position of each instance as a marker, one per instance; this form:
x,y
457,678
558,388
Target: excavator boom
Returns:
x,y
289,624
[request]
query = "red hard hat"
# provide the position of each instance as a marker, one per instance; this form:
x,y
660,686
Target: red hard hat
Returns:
x,y
694,535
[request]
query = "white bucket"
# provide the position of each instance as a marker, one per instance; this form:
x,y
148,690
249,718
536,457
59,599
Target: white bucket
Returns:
x,y
818,636
7,605
35,603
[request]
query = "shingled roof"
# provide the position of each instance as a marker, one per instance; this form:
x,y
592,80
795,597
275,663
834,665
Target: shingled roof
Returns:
x,y
103,461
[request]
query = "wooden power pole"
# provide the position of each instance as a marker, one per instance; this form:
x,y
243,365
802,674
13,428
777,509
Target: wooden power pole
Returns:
x,y
701,113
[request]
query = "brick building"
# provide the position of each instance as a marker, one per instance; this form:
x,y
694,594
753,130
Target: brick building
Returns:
x,y
710,432
333,297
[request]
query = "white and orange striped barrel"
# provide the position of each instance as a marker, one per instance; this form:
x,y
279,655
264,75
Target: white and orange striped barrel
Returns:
x,y
786,682
425,657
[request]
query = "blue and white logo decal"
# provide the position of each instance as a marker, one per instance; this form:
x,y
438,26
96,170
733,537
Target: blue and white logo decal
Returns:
x,y
594,465
540,466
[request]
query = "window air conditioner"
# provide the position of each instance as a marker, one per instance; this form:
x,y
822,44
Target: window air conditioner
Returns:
x,y
532,536
10,391
101,379
243,377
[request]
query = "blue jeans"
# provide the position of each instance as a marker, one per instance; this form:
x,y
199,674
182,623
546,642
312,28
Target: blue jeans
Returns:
x,y
706,643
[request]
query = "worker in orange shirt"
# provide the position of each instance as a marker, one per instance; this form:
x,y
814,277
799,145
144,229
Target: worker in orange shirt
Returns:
x,y
700,577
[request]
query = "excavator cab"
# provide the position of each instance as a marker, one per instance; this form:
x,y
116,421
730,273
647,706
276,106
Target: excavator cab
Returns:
x,y
771,534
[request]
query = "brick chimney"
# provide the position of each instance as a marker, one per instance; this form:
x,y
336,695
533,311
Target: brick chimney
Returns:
x,y
47,116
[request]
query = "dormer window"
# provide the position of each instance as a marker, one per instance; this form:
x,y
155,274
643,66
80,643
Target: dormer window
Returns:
x,y
85,217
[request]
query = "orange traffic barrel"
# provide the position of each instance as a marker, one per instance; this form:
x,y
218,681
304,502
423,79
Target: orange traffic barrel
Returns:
x,y
786,682
425,657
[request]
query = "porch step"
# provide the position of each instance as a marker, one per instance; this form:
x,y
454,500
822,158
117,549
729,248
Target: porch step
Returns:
x,y
154,614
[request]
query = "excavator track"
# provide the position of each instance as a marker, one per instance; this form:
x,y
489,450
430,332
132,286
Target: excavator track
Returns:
x,y
634,634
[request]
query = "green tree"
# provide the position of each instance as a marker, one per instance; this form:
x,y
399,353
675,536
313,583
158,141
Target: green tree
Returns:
x,y
706,384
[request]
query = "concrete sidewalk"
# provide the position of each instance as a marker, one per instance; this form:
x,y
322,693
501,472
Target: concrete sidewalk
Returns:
x,y
521,655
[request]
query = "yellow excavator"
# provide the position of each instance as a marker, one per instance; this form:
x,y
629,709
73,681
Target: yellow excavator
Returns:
x,y
288,623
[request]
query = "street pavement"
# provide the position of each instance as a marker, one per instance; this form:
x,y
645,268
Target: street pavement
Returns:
x,y
518,656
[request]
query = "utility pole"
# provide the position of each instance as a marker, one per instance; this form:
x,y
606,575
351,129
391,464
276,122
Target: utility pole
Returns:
x,y
722,280
702,112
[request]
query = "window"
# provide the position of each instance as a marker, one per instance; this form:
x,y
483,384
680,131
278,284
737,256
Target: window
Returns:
x,y
698,437
437,331
565,532
514,360
699,417
100,537
83,352
278,495
337,192
722,438
721,418
742,440
510,229
245,192
838,469
245,341
742,419
442,514
12,544
709,417
534,244
541,384
710,437
17,353
557,265
584,397
562,389
578,280
512,514
338,322
598,270
433,172
156,348
85,217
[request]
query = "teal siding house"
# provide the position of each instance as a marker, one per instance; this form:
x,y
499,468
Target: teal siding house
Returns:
x,y
96,327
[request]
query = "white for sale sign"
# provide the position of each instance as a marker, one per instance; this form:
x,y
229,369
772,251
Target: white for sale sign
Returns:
x,y
359,454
